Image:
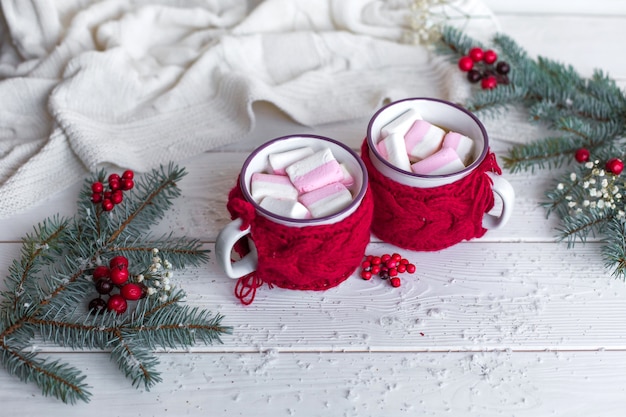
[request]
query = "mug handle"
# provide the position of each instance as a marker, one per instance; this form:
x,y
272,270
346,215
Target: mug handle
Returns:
x,y
224,244
505,191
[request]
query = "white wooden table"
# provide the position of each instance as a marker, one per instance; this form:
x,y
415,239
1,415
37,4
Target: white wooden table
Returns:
x,y
513,324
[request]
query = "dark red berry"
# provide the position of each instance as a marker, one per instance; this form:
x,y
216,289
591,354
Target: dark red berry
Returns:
x,y
615,166
466,63
114,185
119,262
582,155
128,175
131,291
117,303
96,198
119,276
490,57
114,177
100,272
476,54
395,282
96,305
473,76
97,187
127,184
104,286
489,83
503,68
107,205
502,79
117,197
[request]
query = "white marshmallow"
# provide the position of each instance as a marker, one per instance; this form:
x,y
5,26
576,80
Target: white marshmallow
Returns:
x,y
286,208
400,124
327,200
393,149
315,171
269,185
423,139
463,146
348,179
445,161
279,161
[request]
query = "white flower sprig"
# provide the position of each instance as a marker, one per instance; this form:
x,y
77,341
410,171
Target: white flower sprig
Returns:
x,y
156,278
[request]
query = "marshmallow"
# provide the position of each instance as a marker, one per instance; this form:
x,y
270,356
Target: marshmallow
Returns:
x,y
348,179
445,161
269,185
461,144
286,208
392,148
327,200
400,124
280,161
315,171
423,139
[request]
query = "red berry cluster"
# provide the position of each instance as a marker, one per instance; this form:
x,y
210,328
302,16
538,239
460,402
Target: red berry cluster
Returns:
x,y
614,165
114,194
484,66
386,267
107,279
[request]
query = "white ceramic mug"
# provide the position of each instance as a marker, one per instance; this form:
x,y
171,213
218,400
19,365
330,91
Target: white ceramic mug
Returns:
x,y
257,161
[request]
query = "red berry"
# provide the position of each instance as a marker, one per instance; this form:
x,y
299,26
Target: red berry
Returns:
x,y
119,262
97,187
107,205
376,260
466,63
117,197
393,272
582,155
410,268
114,185
489,83
114,177
100,272
375,269
366,264
131,291
401,268
107,194
366,275
385,257
396,257
119,276
128,175
391,263
96,198
127,184
117,303
490,57
476,54
395,281
404,261
615,166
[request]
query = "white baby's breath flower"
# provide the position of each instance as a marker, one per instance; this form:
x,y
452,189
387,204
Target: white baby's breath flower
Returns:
x,y
572,176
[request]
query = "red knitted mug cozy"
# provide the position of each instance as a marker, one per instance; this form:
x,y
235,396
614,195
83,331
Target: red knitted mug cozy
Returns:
x,y
300,258
430,219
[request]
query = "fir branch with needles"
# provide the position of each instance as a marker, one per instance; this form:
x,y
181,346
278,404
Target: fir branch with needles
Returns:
x,y
47,290
586,120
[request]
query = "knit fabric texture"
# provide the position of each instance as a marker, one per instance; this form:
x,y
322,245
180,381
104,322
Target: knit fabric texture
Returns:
x,y
301,258
431,219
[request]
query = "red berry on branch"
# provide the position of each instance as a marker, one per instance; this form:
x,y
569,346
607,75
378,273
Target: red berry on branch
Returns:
x,y
100,272
128,175
476,54
114,185
117,303
582,155
127,184
119,276
114,177
107,204
489,83
615,166
131,291
96,198
117,197
490,57
466,63
395,281
97,187
119,262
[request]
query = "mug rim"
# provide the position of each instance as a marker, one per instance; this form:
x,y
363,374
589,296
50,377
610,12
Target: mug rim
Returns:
x,y
317,221
460,173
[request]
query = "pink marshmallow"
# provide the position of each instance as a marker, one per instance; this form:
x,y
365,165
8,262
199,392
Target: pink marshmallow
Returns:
x,y
461,144
445,161
327,200
400,124
269,185
393,149
315,171
423,139
348,179
286,208
279,161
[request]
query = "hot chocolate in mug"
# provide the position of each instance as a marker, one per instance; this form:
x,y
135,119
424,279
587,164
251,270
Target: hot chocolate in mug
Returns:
x,y
312,253
427,212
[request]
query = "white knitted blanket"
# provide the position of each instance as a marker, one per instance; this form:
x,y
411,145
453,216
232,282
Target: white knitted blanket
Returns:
x,y
136,83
